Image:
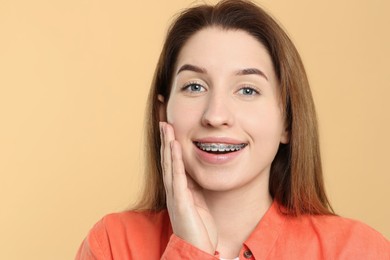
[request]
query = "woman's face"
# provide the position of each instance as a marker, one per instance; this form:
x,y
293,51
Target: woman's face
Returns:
x,y
225,109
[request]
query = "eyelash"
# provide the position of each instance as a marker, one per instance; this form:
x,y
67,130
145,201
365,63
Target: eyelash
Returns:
x,y
190,84
187,87
254,90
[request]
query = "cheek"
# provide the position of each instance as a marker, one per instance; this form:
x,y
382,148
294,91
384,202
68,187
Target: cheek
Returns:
x,y
182,116
264,121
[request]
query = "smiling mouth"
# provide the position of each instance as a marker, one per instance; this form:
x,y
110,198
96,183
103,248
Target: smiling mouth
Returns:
x,y
219,148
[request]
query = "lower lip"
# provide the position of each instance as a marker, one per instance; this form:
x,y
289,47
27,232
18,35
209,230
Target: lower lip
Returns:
x,y
217,158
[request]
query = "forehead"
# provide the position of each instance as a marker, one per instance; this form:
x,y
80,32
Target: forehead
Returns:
x,y
221,49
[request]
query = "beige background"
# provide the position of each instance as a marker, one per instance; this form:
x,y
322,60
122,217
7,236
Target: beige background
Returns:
x,y
74,76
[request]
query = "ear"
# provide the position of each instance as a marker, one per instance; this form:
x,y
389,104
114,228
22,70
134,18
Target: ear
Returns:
x,y
285,136
162,108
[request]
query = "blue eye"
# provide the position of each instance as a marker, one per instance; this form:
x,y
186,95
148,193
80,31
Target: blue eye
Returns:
x,y
194,87
247,91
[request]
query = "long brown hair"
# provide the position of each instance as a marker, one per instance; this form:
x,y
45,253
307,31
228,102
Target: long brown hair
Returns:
x,y
296,180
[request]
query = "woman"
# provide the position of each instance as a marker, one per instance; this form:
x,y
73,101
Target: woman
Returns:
x,y
234,168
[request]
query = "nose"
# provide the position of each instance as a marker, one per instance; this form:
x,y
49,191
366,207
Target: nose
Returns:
x,y
217,112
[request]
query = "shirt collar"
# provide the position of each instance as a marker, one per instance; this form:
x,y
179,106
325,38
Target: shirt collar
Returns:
x,y
267,231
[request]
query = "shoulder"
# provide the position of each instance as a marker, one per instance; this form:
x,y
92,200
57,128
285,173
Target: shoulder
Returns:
x,y
343,227
343,236
121,233
134,220
131,223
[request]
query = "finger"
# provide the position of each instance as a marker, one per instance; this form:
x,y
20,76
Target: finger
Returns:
x,y
166,158
169,133
161,144
179,178
162,147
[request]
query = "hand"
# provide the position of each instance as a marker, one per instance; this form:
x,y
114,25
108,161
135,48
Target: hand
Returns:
x,y
190,217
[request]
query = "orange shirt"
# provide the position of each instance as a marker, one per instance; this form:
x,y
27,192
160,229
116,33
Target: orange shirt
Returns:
x,y
143,235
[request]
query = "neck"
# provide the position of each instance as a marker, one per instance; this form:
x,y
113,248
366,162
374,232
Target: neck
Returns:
x,y
238,203
236,213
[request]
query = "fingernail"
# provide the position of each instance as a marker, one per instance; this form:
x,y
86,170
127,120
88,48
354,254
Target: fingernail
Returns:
x,y
162,128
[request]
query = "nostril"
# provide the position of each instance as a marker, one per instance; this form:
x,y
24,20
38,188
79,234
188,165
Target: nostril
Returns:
x,y
213,119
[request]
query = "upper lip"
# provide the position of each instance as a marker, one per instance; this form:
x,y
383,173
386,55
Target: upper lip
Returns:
x,y
222,140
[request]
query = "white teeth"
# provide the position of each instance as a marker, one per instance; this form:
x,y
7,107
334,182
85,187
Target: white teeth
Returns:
x,y
220,147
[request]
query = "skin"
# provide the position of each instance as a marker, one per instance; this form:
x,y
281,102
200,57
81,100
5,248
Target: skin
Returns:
x,y
224,91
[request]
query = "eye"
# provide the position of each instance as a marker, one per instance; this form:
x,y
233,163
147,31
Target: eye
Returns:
x,y
248,91
194,88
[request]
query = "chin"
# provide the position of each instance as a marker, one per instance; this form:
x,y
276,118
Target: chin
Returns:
x,y
217,181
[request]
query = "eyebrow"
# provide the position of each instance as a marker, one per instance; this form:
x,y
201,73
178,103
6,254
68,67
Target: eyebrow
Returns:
x,y
192,68
252,71
243,72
